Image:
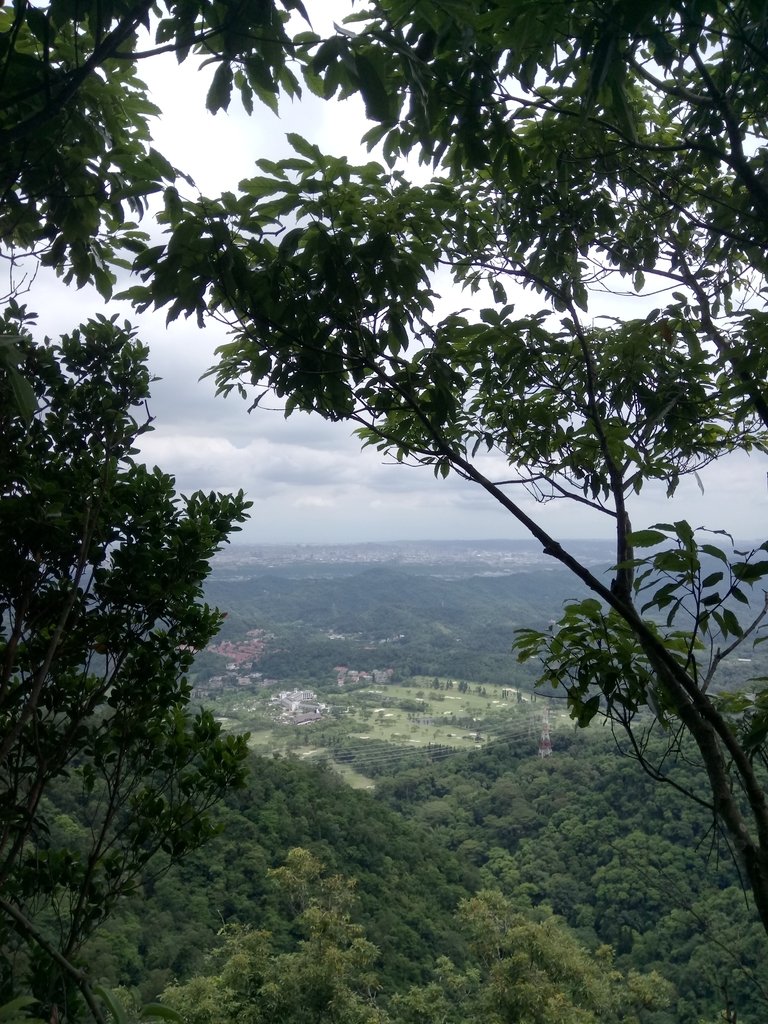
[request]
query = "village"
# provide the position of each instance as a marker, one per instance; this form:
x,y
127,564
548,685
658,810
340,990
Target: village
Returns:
x,y
294,707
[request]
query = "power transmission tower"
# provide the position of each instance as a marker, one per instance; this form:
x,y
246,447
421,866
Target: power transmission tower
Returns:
x,y
545,742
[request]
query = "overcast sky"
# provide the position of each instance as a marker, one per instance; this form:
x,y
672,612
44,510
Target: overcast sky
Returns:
x,y
308,479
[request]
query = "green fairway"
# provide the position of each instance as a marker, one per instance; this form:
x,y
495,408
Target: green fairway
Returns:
x,y
418,713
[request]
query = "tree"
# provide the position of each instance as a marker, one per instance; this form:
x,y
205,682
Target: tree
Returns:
x,y
573,151
535,971
327,977
100,616
522,969
77,167
102,565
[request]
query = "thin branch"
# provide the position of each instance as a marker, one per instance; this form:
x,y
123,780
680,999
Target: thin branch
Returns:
x,y
678,91
28,930
198,40
564,492
722,654
656,774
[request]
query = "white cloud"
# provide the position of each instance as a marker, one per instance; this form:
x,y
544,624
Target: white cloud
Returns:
x,y
314,501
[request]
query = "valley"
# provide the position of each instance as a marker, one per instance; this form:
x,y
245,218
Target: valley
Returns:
x,y
406,771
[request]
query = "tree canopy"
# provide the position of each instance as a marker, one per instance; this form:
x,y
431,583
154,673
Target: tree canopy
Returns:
x,y
77,164
102,571
524,970
572,151
101,564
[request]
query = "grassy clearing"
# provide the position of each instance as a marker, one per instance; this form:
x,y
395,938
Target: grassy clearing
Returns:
x,y
414,714
354,779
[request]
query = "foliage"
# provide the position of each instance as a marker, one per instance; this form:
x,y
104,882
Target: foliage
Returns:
x,y
526,970
100,616
17,1010
134,1014
536,971
406,884
586,836
77,165
326,978
582,835
573,151
102,565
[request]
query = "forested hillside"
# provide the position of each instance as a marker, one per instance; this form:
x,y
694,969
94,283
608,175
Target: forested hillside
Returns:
x,y
624,861
429,615
448,621
582,835
582,840
408,885
615,880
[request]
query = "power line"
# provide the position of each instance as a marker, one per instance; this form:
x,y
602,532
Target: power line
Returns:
x,y
364,756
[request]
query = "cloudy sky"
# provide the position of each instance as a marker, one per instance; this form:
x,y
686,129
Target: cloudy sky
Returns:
x,y
308,479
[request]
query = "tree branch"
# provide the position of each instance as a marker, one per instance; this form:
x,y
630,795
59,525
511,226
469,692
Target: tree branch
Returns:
x,y
25,928
103,51
722,654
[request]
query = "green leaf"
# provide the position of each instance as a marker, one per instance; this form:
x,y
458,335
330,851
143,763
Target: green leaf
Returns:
x,y
646,538
220,91
684,532
750,572
714,552
157,1011
289,241
712,579
623,110
514,163
22,391
305,148
374,92
586,710
39,24
113,1004
17,1009
23,394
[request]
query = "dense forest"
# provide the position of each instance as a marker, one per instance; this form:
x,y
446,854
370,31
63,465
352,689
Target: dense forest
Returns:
x,y
605,895
583,836
582,842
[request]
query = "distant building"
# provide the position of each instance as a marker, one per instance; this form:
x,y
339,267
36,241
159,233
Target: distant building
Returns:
x,y
299,707
293,699
305,719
